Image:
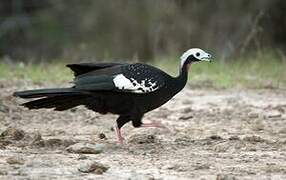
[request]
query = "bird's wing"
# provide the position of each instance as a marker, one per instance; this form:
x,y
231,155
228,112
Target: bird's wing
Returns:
x,y
132,78
83,68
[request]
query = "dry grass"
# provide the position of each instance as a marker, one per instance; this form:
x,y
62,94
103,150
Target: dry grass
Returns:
x,y
261,71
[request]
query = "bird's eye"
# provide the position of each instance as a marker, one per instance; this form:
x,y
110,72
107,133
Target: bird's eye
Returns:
x,y
198,54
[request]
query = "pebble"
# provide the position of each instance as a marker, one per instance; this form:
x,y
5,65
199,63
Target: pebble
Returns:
x,y
95,167
169,166
82,157
202,166
187,110
142,138
186,117
215,137
102,136
15,160
3,108
225,177
176,167
253,114
139,176
258,125
37,141
253,139
233,138
184,140
13,134
86,148
282,130
3,173
54,142
273,114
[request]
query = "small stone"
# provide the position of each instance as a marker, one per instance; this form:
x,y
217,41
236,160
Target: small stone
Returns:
x,y
253,139
215,137
227,111
15,160
258,125
142,138
253,114
140,176
13,134
184,140
225,177
73,110
82,157
221,147
86,148
187,110
3,108
36,137
188,102
37,141
177,167
4,143
282,130
233,138
186,117
2,173
202,166
273,114
96,167
169,166
102,136
53,143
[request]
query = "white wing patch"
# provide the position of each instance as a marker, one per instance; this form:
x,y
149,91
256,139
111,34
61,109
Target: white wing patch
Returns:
x,y
123,83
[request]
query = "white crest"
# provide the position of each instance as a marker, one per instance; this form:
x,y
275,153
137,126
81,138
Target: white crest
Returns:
x,y
199,54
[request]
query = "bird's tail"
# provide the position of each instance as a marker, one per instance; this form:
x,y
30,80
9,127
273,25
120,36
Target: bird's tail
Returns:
x,y
37,93
60,98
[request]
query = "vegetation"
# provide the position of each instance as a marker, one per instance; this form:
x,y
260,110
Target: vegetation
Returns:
x,y
37,31
47,34
259,71
38,73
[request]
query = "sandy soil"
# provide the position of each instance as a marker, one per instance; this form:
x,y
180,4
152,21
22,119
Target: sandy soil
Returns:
x,y
213,134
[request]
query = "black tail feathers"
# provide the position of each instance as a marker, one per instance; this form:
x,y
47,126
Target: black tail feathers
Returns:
x,y
58,103
37,93
59,99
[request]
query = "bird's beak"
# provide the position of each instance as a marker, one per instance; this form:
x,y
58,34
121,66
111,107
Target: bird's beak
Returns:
x,y
207,57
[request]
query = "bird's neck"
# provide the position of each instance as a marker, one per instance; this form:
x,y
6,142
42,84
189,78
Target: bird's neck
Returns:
x,y
182,78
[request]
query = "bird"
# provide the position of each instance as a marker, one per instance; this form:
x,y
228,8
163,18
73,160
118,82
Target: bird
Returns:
x,y
128,90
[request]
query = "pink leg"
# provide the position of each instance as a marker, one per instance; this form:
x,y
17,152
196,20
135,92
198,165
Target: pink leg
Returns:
x,y
119,135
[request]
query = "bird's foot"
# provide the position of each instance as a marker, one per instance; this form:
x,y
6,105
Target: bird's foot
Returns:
x,y
155,124
120,138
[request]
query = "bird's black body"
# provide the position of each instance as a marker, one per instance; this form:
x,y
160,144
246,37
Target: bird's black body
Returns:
x,y
129,90
130,106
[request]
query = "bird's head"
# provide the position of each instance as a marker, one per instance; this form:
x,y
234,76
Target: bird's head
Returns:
x,y
194,55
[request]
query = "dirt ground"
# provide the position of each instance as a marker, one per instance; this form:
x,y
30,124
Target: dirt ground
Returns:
x,y
213,134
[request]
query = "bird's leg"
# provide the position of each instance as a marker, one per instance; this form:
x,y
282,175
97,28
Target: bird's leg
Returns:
x,y
120,122
120,138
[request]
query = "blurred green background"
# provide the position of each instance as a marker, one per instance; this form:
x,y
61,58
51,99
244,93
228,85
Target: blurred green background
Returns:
x,y
143,29
248,38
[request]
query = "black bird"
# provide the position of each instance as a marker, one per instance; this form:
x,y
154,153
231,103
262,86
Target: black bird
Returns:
x,y
129,90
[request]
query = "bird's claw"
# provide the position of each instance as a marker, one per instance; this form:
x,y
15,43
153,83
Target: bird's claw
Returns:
x,y
120,138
